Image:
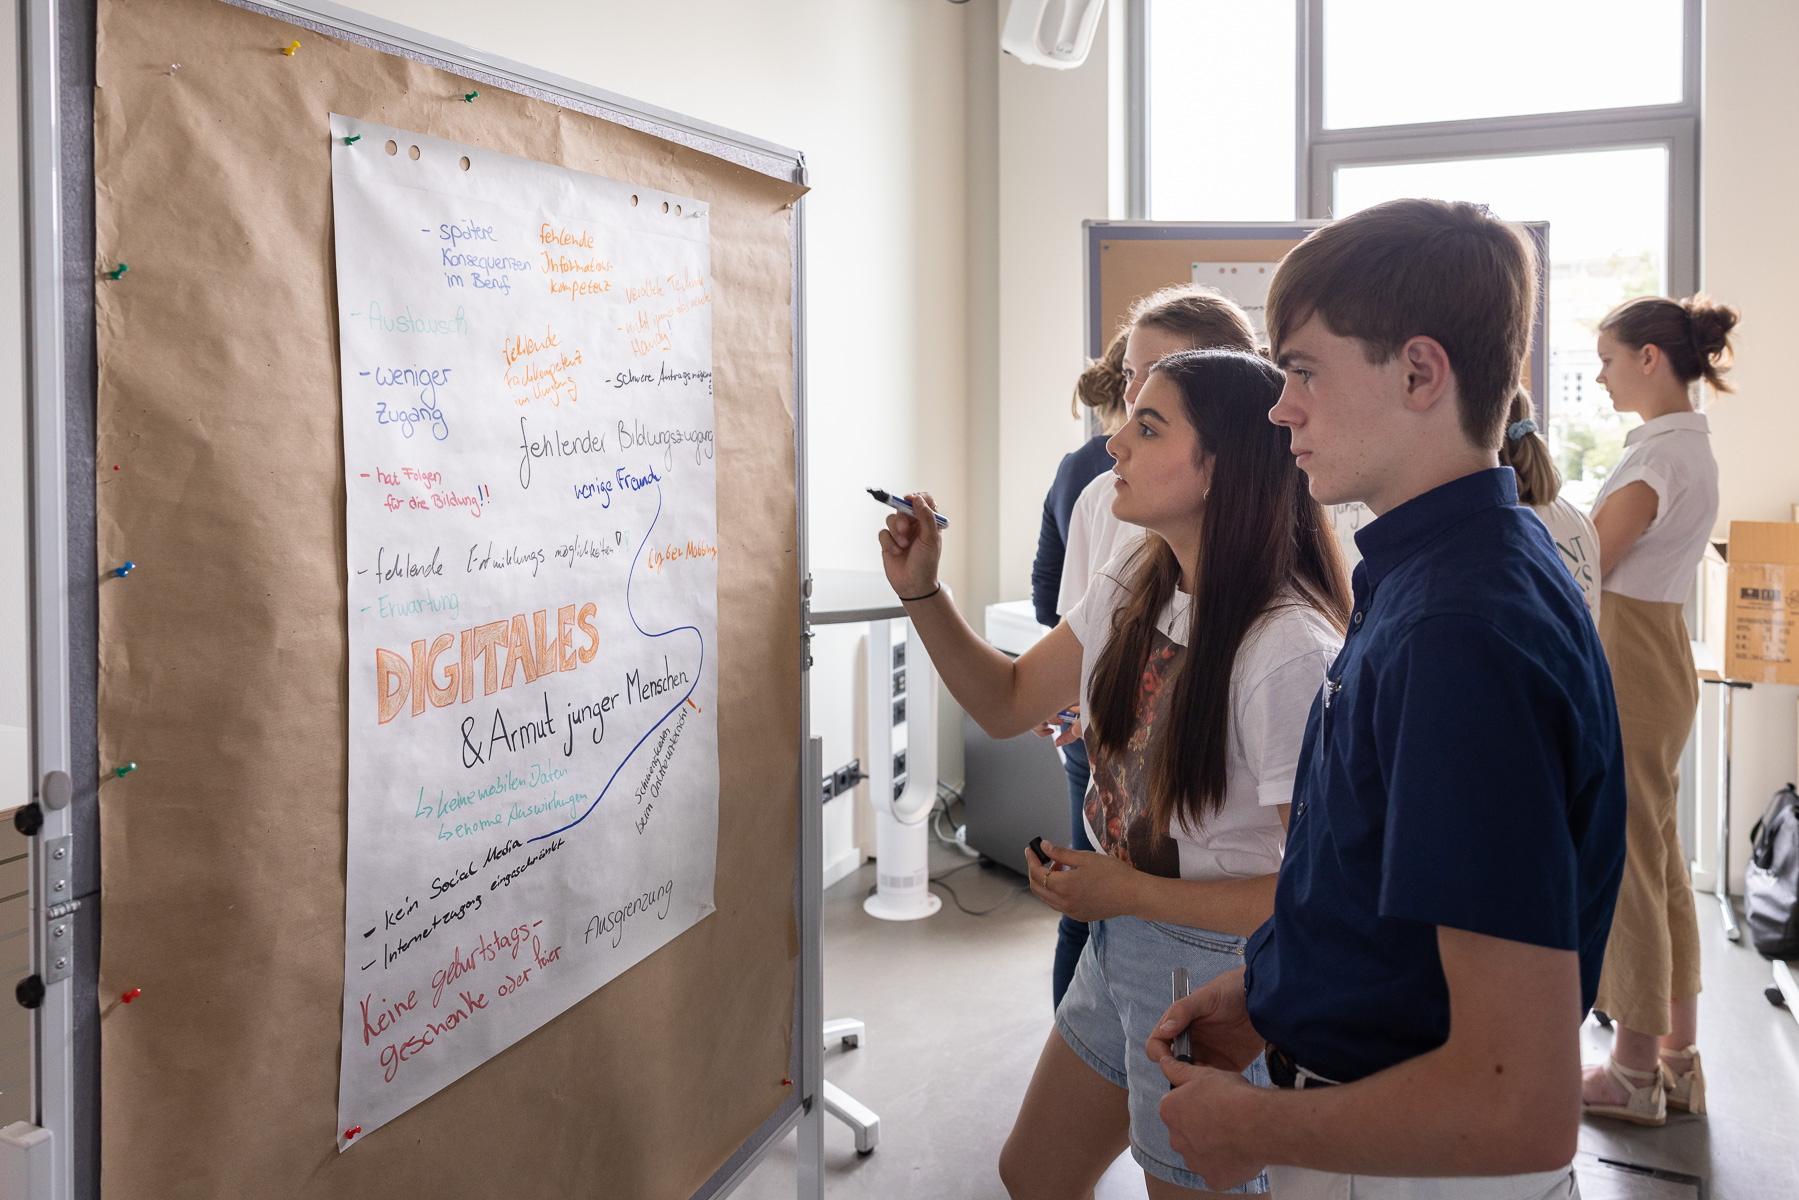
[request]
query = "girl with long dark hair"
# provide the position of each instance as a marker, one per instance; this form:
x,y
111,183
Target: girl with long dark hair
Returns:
x,y
1164,322
1197,653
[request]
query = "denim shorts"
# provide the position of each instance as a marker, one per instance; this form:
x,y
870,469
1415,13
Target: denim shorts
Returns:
x,y
1121,989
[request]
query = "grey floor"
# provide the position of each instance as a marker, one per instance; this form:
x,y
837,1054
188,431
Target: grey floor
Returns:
x,y
957,1009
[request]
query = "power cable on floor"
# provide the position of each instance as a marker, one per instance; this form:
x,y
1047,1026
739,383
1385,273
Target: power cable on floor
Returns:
x,y
946,797
957,900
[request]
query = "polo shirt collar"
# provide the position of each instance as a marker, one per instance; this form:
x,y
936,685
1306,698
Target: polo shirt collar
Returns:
x,y
1668,423
1390,540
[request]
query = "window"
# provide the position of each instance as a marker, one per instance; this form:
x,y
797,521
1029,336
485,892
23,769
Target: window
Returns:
x,y
1608,235
1383,63
1581,113
1211,57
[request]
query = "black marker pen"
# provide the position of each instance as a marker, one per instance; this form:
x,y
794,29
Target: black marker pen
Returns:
x,y
1183,1041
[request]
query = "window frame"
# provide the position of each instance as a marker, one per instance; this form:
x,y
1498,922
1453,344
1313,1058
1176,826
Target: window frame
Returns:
x,y
1320,151
1675,127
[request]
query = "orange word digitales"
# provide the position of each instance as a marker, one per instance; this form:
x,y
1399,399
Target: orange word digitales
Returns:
x,y
427,677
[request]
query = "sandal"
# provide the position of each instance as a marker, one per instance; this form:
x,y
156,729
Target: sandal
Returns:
x,y
1647,1102
1686,1091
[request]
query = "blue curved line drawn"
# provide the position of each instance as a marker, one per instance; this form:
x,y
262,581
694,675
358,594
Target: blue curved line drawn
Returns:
x,y
698,672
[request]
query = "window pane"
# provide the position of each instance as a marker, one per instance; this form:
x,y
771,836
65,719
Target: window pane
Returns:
x,y
1221,117
1399,62
1608,241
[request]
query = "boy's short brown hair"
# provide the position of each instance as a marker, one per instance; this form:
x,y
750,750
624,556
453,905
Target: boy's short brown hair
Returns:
x,y
1409,268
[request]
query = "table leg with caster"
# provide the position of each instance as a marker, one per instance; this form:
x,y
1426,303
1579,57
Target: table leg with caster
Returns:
x,y
847,1030
852,1112
839,1103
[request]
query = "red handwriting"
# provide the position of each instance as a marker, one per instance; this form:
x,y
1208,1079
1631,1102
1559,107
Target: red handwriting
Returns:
x,y
395,1053
544,958
486,950
389,1014
429,479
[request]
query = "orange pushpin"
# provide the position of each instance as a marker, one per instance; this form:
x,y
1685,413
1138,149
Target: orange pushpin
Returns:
x,y
292,50
133,994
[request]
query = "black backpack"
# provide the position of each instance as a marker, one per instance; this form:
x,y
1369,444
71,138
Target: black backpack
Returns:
x,y
1771,881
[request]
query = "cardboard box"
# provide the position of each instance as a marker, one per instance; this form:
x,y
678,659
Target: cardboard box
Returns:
x,y
1762,603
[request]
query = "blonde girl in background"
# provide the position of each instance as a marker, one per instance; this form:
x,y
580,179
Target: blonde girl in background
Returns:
x,y
1653,516
1539,489
1164,322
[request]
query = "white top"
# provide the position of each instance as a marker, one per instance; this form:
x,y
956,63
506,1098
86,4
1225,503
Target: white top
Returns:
x,y
1579,545
1095,537
1673,455
1278,671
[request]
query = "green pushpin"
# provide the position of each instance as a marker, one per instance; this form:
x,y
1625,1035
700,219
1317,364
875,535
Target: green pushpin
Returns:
x,y
352,139
118,273
125,770
469,97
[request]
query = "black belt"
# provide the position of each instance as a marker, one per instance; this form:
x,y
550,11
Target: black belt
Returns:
x,y
1284,1070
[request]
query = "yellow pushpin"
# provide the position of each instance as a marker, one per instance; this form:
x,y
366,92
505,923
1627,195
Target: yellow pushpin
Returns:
x,y
292,50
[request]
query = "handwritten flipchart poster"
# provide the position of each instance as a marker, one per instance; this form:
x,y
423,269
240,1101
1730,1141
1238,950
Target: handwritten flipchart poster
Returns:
x,y
531,521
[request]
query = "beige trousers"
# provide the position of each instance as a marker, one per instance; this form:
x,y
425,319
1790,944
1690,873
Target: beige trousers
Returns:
x,y
1298,1183
1653,955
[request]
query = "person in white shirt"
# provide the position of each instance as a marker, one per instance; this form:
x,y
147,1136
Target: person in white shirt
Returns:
x,y
1539,489
1163,322
1198,653
1653,515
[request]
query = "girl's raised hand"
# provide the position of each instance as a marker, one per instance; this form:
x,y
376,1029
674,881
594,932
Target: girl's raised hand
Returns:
x,y
911,547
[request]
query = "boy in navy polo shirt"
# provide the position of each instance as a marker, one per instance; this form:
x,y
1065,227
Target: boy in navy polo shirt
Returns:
x,y
1457,829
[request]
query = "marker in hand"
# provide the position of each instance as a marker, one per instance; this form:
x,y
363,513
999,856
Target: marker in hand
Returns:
x,y
901,504
1182,1042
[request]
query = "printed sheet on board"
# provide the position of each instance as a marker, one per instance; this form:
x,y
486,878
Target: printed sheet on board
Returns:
x,y
531,524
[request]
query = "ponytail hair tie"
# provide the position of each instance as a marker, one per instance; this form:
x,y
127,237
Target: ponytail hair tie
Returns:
x,y
1518,429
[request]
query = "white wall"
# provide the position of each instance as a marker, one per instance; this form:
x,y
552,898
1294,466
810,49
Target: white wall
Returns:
x,y
1750,174
1056,169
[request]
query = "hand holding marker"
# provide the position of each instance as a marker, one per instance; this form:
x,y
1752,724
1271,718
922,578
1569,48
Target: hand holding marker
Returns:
x,y
910,545
901,504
